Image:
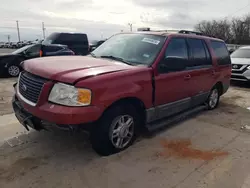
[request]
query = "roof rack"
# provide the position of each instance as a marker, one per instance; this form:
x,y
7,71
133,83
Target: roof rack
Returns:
x,y
194,33
176,31
190,32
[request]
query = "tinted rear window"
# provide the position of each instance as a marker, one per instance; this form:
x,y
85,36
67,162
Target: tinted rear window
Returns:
x,y
66,38
74,37
221,52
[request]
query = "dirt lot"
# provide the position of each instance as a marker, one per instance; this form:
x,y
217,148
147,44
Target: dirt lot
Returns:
x,y
209,150
6,93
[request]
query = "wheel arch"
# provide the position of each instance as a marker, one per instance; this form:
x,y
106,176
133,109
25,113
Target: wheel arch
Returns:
x,y
219,85
135,102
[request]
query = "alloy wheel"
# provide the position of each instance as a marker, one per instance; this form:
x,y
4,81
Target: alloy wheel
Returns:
x,y
13,70
213,98
122,131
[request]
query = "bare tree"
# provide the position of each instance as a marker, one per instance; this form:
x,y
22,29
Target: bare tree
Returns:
x,y
220,29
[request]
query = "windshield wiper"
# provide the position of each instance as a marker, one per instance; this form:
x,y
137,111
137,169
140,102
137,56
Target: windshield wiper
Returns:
x,y
116,58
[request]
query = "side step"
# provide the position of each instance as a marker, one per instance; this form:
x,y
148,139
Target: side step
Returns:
x,y
174,119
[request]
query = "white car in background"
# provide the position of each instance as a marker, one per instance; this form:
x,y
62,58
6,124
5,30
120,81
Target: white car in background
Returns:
x,y
241,64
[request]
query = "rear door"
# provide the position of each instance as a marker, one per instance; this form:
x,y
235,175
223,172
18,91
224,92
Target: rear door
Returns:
x,y
172,88
202,71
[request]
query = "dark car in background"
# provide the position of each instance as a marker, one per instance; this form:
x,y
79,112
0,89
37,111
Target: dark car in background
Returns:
x,y
77,42
94,44
10,63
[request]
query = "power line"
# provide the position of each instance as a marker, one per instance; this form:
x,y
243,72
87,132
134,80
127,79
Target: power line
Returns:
x,y
229,15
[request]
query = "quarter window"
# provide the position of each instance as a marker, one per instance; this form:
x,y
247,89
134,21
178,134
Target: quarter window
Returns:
x,y
221,52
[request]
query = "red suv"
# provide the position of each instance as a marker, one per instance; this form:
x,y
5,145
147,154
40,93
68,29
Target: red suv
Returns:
x,y
132,81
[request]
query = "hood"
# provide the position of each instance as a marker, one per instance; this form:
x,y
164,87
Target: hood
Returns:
x,y
70,69
240,61
3,55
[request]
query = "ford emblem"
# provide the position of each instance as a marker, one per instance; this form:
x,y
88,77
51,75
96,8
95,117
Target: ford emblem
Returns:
x,y
24,87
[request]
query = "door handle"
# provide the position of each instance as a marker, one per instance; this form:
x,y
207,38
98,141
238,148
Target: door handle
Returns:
x,y
213,72
187,77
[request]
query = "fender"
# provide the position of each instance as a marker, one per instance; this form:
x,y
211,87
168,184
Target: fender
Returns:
x,y
109,88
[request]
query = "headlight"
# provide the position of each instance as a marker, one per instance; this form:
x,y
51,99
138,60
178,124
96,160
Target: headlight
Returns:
x,y
69,95
248,67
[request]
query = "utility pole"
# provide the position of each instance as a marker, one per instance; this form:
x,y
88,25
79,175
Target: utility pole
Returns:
x,y
43,28
8,36
18,31
131,26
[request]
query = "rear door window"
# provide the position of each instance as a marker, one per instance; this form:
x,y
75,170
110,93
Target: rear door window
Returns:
x,y
199,53
221,52
177,48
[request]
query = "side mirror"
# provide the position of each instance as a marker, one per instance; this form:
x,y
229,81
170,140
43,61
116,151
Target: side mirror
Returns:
x,y
172,64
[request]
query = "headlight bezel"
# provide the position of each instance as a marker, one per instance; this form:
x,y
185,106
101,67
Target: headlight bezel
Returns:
x,y
68,95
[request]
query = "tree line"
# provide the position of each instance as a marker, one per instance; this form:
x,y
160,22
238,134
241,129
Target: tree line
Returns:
x,y
233,31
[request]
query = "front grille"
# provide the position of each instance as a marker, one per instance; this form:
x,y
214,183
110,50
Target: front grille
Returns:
x,y
238,71
30,86
234,66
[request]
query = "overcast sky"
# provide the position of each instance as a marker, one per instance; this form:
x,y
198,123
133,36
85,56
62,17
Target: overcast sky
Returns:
x,y
102,18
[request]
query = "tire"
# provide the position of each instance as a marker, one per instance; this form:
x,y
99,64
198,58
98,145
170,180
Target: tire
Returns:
x,y
109,136
13,70
213,98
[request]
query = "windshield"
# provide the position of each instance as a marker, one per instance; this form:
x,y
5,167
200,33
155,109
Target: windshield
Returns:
x,y
241,53
21,49
134,48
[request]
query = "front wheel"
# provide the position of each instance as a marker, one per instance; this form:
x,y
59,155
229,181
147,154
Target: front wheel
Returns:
x,y
116,130
213,99
13,70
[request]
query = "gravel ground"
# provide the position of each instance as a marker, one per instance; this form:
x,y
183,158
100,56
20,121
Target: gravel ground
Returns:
x,y
209,150
6,93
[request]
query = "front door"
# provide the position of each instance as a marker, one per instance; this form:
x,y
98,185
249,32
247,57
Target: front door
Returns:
x,y
172,88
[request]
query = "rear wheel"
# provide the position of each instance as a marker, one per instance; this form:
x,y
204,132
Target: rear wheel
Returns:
x,y
13,70
213,99
116,130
